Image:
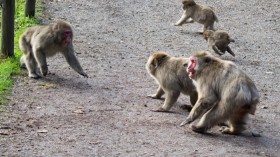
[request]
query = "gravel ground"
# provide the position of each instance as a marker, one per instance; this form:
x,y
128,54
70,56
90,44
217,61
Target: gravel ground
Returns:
x,y
108,114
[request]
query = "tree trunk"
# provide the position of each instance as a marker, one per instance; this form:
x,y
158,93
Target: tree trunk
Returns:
x,y
30,8
8,15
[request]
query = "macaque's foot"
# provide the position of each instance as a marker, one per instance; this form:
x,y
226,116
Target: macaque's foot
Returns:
x,y
34,76
187,121
198,129
160,110
84,74
190,21
186,107
227,130
256,134
154,96
23,66
44,71
175,24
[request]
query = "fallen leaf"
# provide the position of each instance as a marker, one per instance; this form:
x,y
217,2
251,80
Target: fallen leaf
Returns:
x,y
42,131
79,111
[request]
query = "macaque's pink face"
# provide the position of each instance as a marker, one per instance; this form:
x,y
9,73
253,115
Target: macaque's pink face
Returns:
x,y
67,37
191,67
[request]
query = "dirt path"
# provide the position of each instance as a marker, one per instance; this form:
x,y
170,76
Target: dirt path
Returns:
x,y
108,113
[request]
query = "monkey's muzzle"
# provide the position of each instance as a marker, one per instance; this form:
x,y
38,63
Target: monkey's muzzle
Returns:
x,y
190,67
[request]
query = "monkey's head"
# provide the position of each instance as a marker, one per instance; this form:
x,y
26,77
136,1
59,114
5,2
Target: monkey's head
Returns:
x,y
200,61
188,3
64,29
156,60
207,34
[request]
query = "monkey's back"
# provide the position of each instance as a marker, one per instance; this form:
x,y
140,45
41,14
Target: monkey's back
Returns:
x,y
177,76
221,38
204,15
236,85
44,38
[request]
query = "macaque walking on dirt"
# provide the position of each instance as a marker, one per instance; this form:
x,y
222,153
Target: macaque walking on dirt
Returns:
x,y
219,41
197,13
39,42
172,78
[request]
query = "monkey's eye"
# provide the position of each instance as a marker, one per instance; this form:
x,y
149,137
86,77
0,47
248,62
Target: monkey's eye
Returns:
x,y
207,59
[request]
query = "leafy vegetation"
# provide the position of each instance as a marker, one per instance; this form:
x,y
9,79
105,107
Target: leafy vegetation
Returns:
x,y
10,66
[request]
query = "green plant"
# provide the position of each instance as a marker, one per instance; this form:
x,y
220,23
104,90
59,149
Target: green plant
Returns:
x,y
10,66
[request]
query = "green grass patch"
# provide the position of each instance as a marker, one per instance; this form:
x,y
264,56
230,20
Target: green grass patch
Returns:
x,y
10,66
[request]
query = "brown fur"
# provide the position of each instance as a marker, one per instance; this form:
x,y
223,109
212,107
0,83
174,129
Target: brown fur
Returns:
x,y
171,77
39,42
219,41
225,93
197,13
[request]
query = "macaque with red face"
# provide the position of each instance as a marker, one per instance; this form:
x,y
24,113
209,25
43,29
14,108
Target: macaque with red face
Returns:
x,y
39,42
225,94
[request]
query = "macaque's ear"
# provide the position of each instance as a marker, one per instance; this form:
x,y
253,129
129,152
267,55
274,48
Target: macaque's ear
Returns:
x,y
192,3
188,3
158,60
55,26
155,63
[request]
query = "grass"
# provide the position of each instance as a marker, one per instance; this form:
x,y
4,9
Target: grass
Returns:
x,y
10,66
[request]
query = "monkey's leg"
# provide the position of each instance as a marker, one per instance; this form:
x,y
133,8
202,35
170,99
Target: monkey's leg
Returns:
x,y
42,61
171,98
236,123
22,62
31,65
193,98
210,27
211,118
230,51
72,60
216,50
189,20
201,106
182,20
158,94
204,29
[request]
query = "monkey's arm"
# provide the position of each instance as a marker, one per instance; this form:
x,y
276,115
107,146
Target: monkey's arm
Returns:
x,y
73,61
42,61
171,98
182,20
230,51
214,47
201,106
158,94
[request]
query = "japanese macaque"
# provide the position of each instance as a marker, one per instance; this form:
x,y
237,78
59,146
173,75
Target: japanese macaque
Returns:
x,y
197,13
225,94
219,41
39,42
172,78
